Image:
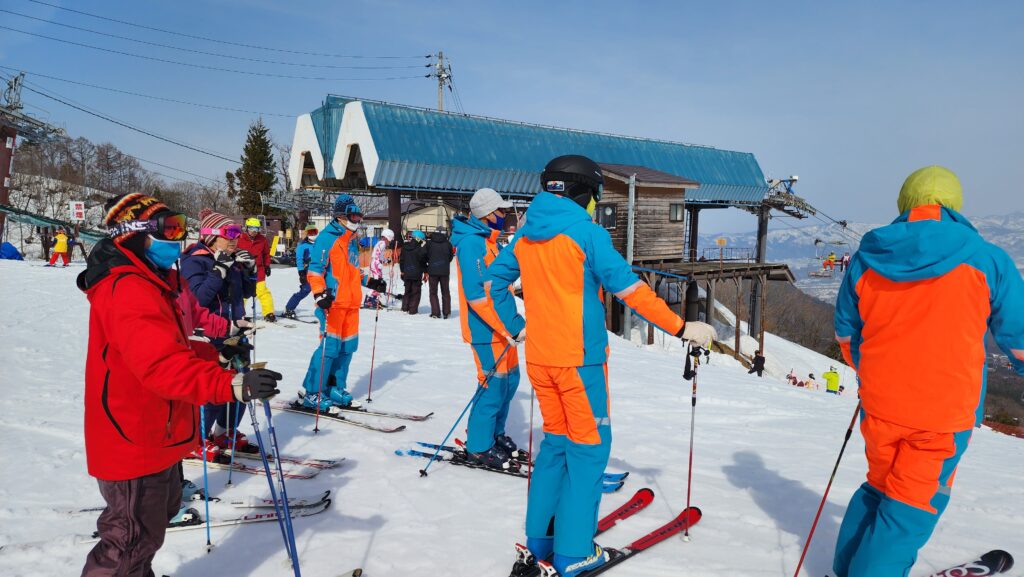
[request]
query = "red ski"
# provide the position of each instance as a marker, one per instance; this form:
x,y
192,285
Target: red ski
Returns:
x,y
688,518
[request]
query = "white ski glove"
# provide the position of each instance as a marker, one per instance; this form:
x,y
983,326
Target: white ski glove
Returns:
x,y
242,327
245,258
222,262
698,333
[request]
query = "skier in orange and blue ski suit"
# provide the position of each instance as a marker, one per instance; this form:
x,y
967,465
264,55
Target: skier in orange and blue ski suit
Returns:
x,y
335,279
565,259
911,318
494,349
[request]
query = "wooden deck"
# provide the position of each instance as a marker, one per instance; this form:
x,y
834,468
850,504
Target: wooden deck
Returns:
x,y
717,270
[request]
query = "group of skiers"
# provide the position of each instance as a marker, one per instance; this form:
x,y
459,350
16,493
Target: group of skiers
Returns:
x,y
915,284
831,377
831,262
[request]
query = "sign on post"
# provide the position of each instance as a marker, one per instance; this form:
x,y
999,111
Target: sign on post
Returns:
x,y
76,210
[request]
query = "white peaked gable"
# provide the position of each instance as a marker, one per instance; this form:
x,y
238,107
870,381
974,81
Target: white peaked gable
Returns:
x,y
355,131
304,142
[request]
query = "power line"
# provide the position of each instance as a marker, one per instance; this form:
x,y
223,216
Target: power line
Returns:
x,y
203,66
150,96
194,51
129,126
220,41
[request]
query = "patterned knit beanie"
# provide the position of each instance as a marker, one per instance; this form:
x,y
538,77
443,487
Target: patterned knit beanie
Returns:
x,y
210,219
134,206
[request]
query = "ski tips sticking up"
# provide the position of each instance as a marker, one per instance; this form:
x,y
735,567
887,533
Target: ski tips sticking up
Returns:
x,y
991,563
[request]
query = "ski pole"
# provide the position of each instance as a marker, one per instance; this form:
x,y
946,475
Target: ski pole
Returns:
x,y
206,478
270,481
231,463
320,387
290,539
479,389
814,525
692,373
373,354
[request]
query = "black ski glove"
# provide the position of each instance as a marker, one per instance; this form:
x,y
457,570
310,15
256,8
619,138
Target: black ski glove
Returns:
x,y
235,348
377,284
324,300
256,384
302,277
245,258
268,271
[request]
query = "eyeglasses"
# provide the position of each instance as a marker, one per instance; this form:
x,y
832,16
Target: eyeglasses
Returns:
x,y
230,232
166,227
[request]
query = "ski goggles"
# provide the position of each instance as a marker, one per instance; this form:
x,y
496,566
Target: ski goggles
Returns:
x,y
173,226
230,232
252,230
354,217
561,186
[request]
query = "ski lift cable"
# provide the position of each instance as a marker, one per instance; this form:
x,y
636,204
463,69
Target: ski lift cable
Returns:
x,y
207,67
205,53
219,40
150,96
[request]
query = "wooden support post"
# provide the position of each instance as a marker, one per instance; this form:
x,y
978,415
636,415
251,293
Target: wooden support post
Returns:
x,y
709,302
736,315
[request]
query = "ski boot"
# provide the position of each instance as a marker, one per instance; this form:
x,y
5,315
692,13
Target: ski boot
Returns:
x,y
493,458
311,400
343,399
242,445
370,303
508,446
527,555
568,566
270,317
287,314
213,453
192,492
186,516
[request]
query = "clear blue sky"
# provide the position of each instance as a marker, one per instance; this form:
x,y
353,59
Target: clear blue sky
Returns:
x,y
851,96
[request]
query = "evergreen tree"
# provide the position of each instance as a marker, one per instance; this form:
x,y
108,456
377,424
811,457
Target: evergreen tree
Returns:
x,y
258,174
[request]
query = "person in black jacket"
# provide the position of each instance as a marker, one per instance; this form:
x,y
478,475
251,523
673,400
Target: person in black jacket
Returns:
x,y
413,265
758,365
439,258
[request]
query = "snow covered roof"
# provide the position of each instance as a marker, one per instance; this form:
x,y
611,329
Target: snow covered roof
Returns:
x,y
417,149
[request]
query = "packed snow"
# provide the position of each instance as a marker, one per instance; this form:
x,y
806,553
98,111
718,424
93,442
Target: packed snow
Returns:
x,y
764,452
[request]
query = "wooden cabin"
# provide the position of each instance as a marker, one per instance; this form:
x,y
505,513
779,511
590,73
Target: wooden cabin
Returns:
x,y
659,221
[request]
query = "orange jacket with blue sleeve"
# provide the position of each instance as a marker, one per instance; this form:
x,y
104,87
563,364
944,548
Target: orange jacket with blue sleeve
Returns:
x,y
912,313
476,248
334,265
564,259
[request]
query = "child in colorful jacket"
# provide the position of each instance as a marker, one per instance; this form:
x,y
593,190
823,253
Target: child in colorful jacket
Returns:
x,y
911,318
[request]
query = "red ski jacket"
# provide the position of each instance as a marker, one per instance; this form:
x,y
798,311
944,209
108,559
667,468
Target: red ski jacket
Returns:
x,y
259,248
142,378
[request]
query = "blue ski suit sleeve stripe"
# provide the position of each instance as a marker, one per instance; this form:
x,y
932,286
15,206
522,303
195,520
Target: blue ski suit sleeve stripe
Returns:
x,y
1006,318
848,322
504,271
611,269
471,266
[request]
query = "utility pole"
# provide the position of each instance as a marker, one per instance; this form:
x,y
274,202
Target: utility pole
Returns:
x,y
443,73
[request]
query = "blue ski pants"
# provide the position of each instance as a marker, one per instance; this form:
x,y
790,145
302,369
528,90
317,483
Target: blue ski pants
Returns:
x,y
490,411
567,478
336,354
893,514
296,298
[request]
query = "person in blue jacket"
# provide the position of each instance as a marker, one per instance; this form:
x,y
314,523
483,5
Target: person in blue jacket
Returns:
x,y
565,260
221,278
303,256
475,240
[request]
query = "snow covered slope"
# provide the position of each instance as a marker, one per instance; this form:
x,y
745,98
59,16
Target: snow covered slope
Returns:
x,y
764,451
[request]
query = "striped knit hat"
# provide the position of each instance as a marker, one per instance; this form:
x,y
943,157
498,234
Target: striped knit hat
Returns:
x,y
134,206
210,219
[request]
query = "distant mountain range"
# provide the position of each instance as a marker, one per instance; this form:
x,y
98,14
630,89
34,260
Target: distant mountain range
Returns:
x,y
796,246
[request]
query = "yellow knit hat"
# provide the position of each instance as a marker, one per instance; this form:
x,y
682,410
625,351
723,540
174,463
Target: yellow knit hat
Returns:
x,y
931,185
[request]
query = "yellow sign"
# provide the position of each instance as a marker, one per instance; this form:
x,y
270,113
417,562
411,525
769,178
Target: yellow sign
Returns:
x,y
721,241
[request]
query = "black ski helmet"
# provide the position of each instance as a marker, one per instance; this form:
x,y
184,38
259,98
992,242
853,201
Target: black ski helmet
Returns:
x,y
573,176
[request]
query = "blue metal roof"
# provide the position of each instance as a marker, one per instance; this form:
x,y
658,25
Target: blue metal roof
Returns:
x,y
422,149
326,124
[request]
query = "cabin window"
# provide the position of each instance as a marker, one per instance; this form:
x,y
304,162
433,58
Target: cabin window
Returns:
x,y
605,215
676,213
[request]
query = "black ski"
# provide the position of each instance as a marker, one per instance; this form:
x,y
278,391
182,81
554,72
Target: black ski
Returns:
x,y
460,459
991,563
